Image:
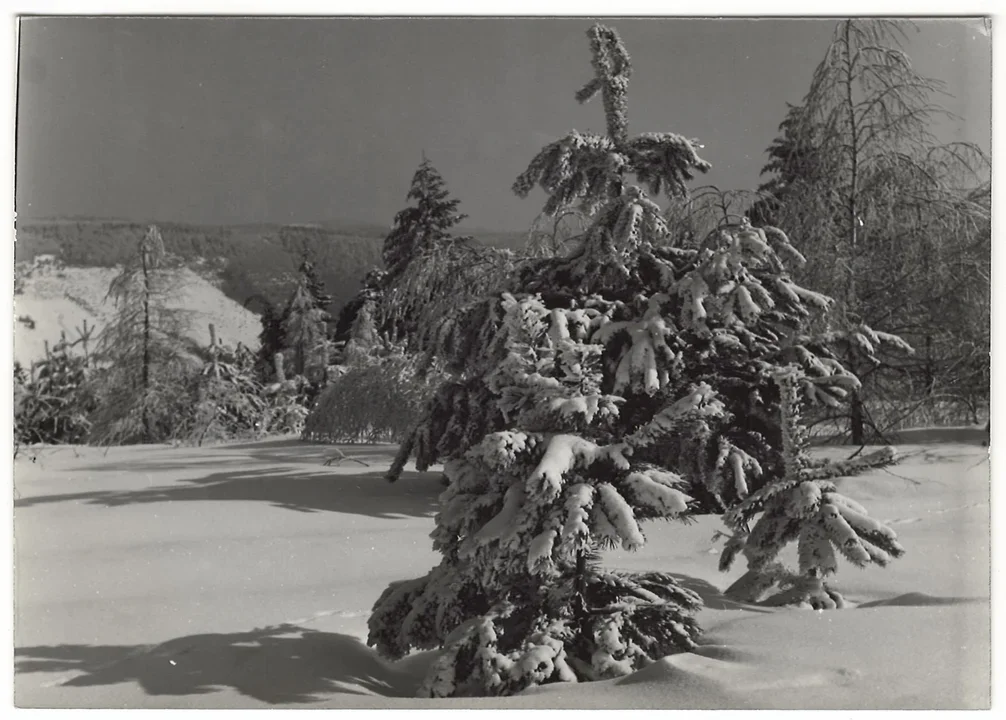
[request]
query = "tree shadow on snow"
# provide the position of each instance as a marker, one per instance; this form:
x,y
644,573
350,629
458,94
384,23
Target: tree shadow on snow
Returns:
x,y
276,665
296,451
160,465
367,493
712,597
283,452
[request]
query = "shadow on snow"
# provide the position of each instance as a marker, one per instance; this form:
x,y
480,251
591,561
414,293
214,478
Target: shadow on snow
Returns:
x,y
712,597
285,452
368,493
281,664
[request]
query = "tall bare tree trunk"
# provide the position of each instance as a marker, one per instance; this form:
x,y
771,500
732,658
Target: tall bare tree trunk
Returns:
x,y
857,419
146,343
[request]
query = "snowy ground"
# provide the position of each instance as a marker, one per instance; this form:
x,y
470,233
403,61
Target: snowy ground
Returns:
x,y
242,576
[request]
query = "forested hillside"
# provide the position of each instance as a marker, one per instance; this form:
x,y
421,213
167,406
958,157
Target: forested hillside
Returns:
x,y
247,260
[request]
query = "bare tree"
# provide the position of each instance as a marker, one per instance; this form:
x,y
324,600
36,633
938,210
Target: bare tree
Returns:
x,y
142,352
895,223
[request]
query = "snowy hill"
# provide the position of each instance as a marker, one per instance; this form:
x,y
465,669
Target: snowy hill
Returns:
x,y
250,260
55,299
242,575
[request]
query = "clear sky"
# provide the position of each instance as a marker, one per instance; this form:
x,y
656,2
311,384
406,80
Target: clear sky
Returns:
x,y
221,120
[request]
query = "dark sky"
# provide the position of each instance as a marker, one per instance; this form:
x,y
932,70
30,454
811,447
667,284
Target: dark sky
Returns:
x,y
316,120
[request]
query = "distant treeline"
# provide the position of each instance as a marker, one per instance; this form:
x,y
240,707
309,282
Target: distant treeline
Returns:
x,y
252,262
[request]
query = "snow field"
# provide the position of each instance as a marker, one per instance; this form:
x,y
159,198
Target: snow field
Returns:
x,y
242,575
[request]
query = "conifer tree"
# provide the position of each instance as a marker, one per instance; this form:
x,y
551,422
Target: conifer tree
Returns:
x,y
802,505
629,380
305,332
272,340
428,270
431,275
363,335
143,351
893,223
286,401
792,166
368,299
420,227
228,396
54,398
315,286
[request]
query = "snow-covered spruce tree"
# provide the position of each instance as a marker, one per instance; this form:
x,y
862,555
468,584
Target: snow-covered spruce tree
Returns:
x,y
518,598
306,333
363,335
432,275
372,396
804,506
52,400
228,396
636,380
286,401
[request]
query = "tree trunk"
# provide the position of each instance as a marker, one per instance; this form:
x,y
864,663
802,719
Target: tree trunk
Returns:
x,y
278,365
85,335
213,351
325,360
850,288
857,420
146,344
580,613
930,367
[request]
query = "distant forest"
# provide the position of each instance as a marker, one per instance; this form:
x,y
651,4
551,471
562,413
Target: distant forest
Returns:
x,y
252,263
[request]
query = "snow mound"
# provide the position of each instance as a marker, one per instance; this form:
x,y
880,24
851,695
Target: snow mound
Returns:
x,y
917,599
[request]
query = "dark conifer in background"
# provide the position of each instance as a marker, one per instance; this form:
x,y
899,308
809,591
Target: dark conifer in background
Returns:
x,y
420,226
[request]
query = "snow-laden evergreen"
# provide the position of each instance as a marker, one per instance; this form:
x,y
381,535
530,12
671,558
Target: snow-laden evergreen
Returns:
x,y
804,506
517,599
628,380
